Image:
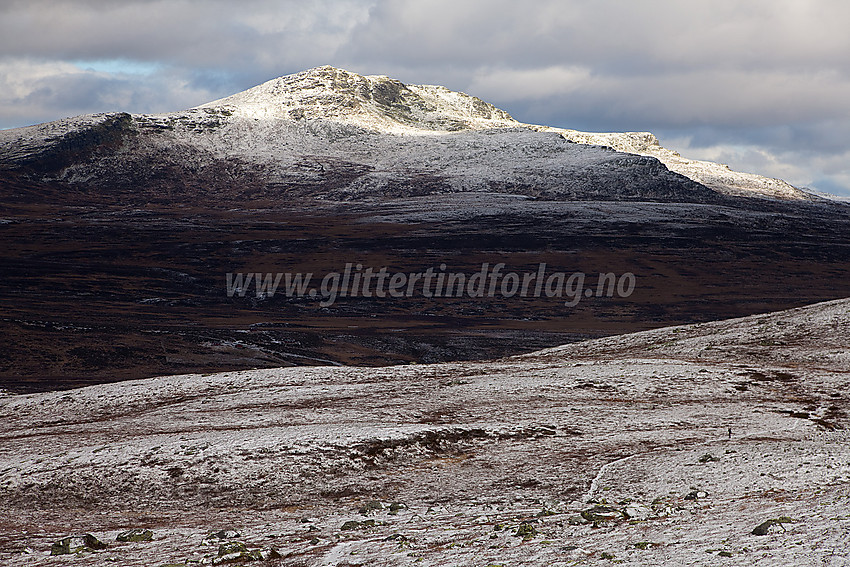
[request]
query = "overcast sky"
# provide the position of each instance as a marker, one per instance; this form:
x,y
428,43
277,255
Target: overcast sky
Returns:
x,y
762,85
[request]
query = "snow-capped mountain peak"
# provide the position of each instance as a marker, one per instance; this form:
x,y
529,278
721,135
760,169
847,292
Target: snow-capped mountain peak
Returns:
x,y
380,103
331,133
374,102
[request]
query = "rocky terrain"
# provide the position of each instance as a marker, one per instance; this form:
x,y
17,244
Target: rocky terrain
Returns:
x,y
709,444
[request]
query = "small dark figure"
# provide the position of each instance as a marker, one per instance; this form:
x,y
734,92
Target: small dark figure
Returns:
x,y
730,433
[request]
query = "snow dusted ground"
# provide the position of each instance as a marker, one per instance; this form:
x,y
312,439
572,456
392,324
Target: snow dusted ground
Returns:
x,y
660,448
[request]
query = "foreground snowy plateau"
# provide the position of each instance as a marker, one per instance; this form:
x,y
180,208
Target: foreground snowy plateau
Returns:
x,y
722,443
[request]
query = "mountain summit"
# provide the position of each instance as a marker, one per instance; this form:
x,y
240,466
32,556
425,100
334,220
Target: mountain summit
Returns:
x,y
331,134
376,102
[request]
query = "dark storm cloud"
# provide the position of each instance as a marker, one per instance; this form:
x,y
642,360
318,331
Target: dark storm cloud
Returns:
x,y
762,84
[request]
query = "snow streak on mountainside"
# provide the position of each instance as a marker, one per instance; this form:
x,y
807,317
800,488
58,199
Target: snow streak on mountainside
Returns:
x,y
329,133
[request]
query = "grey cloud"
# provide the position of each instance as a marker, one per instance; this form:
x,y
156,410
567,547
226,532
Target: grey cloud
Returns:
x,y
69,92
208,33
716,98
611,35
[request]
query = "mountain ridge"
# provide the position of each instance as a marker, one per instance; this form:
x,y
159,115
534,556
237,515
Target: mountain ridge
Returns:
x,y
330,134
133,221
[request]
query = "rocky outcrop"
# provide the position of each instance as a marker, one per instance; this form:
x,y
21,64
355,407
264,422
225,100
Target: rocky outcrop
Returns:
x,y
135,535
77,544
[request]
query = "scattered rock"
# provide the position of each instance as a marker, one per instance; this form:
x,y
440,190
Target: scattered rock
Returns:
x,y
135,535
526,531
695,494
768,526
236,551
232,548
707,458
269,554
224,534
355,525
637,512
642,545
76,544
371,507
601,514
402,540
396,507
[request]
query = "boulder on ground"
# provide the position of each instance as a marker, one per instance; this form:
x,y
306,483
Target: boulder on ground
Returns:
x,y
76,544
135,535
772,525
601,514
237,552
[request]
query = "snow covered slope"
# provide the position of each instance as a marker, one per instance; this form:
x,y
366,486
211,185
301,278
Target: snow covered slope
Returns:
x,y
667,447
328,133
383,104
714,175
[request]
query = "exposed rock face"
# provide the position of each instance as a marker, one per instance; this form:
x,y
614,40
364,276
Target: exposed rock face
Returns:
x,y
373,102
327,133
77,544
